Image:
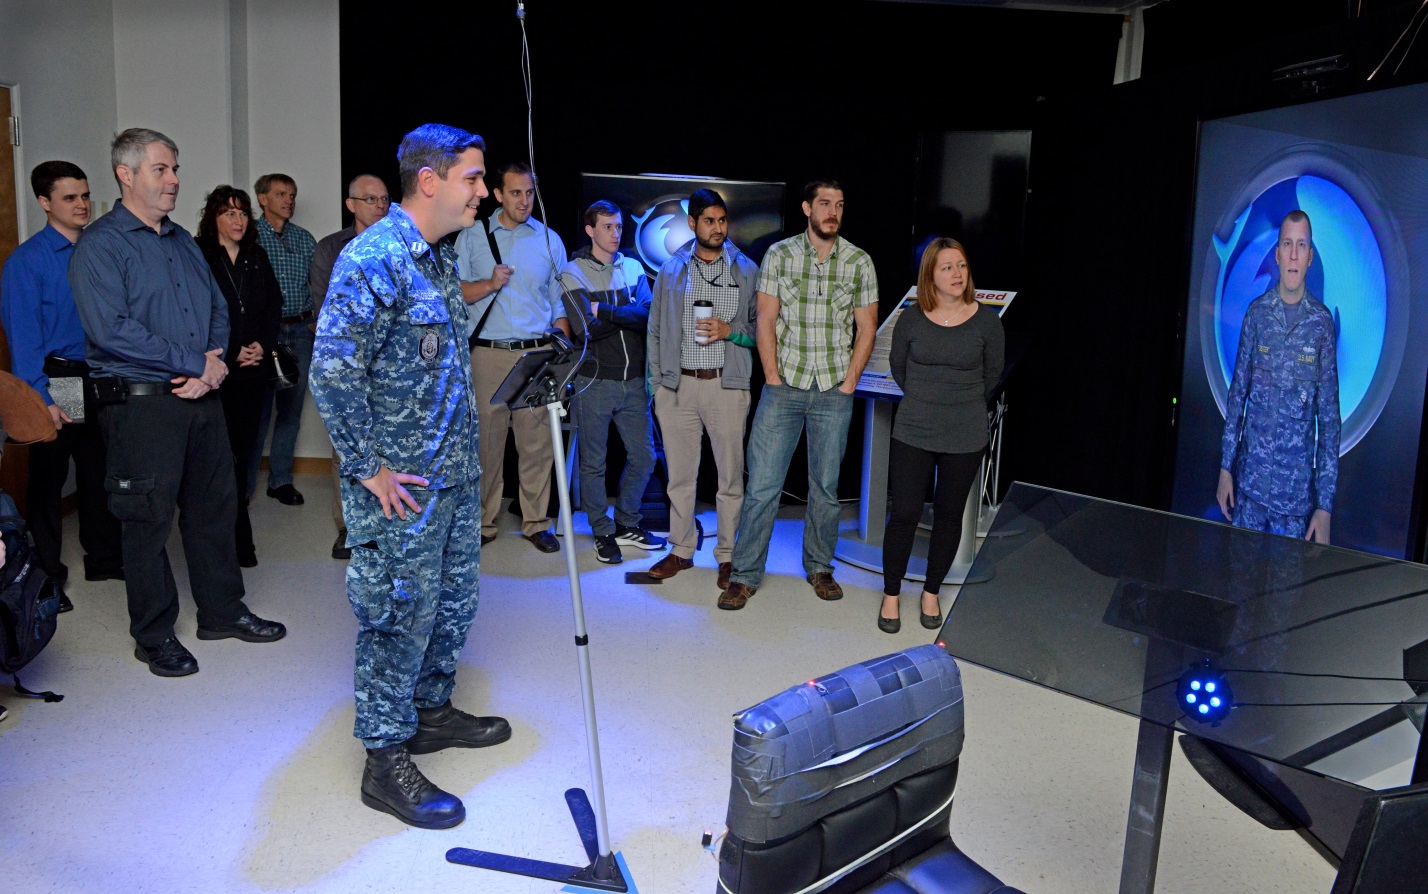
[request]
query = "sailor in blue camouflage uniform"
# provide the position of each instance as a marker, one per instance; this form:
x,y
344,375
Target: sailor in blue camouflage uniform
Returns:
x,y
391,377
1280,451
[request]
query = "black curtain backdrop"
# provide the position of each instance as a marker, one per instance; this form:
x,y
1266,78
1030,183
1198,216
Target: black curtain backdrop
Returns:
x,y
743,90
1112,175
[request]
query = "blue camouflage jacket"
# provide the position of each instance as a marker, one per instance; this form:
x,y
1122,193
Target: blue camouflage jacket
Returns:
x,y
391,375
1281,439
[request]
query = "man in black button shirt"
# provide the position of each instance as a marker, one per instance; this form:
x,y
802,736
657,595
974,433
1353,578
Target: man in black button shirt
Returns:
x,y
156,327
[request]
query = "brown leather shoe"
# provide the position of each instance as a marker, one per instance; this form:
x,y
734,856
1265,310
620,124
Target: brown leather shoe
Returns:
x,y
825,586
725,569
669,566
736,596
544,541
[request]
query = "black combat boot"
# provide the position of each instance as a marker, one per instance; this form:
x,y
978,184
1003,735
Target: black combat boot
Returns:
x,y
446,727
392,784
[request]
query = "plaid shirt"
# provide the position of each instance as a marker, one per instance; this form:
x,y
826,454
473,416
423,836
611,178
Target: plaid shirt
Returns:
x,y
291,256
814,329
712,282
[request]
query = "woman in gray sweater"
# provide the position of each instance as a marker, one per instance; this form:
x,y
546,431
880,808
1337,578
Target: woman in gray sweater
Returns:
x,y
947,357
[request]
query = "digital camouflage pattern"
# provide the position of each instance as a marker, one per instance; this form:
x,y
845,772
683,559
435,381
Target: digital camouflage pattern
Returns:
x,y
391,377
1281,439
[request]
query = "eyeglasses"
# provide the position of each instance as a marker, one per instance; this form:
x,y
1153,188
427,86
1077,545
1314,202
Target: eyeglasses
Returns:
x,y
371,200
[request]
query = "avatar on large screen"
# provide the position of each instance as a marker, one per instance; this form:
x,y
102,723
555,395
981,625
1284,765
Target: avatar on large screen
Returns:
x,y
1356,166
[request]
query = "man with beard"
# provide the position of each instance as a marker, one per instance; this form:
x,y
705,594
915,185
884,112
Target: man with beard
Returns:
x,y
367,200
157,327
699,370
391,377
1279,463
510,266
817,315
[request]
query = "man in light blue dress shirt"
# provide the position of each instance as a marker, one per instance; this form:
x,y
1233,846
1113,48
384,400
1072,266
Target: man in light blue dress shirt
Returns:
x,y
518,283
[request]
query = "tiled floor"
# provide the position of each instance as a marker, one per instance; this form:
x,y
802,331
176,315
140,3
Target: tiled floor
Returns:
x,y
244,777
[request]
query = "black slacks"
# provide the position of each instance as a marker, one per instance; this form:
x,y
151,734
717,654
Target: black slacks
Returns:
x,y
165,454
242,407
49,469
912,469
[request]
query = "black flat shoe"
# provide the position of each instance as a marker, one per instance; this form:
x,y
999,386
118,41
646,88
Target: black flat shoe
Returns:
x,y
286,494
168,659
889,625
249,628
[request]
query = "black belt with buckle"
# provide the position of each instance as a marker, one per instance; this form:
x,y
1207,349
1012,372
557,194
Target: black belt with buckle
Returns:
x,y
148,389
523,345
703,373
300,318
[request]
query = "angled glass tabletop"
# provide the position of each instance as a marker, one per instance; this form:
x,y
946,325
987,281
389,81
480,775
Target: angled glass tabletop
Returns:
x,y
1317,657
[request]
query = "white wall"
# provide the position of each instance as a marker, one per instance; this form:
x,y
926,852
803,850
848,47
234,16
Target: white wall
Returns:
x,y
245,87
59,58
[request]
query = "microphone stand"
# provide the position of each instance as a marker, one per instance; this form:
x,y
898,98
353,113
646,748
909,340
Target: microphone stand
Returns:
x,y
533,383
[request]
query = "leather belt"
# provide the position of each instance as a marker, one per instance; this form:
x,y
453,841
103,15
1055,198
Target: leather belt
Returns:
x,y
148,389
523,345
300,318
703,373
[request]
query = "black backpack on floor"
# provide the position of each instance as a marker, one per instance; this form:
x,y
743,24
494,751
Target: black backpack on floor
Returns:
x,y
29,600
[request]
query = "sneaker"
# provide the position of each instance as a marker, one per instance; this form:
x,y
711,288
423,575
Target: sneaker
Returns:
x,y
607,550
639,538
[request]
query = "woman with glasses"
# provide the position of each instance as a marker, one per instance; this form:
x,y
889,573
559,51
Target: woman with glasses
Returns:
x,y
255,303
946,356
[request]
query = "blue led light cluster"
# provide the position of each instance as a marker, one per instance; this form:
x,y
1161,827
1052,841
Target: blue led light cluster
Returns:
x,y
1204,695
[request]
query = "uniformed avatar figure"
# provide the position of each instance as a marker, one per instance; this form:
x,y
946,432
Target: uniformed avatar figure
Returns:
x,y
1280,451
391,377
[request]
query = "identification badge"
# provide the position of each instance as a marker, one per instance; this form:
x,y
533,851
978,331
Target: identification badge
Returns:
x,y
430,345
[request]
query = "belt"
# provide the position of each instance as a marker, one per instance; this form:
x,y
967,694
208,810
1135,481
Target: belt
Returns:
x,y
148,389
703,373
300,318
524,345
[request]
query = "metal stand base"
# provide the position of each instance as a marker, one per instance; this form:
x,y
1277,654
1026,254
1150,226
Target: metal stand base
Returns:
x,y
602,873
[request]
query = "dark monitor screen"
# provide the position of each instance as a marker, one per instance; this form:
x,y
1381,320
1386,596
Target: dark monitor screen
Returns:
x,y
1388,853
1358,165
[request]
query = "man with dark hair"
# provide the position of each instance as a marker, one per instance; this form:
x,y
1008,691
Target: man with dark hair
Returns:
x,y
510,266
367,200
699,369
817,315
607,301
391,377
290,248
1279,463
47,340
157,327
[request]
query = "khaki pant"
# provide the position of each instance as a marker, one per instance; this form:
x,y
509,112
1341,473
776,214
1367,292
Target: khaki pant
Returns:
x,y
489,368
703,405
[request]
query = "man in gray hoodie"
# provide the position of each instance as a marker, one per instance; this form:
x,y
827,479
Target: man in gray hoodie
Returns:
x,y
699,374
607,300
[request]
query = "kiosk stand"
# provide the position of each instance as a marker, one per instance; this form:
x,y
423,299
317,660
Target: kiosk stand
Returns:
x,y
535,382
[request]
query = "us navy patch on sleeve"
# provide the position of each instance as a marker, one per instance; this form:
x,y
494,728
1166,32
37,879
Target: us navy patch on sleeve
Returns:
x,y
430,345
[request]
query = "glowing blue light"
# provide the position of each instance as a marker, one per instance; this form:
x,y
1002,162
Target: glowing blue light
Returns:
x,y
1204,709
1195,685
1209,687
1190,698
1214,703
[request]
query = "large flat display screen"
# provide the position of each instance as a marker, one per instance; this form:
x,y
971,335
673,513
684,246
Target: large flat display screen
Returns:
x,y
1358,165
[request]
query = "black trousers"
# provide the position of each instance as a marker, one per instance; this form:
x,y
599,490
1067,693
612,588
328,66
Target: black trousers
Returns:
x,y
165,454
907,491
242,407
49,468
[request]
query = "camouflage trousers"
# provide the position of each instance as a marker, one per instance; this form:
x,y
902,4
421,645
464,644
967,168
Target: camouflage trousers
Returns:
x,y
414,589
1251,514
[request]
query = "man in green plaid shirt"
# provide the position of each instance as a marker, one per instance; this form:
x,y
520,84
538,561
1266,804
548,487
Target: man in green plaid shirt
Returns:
x,y
817,315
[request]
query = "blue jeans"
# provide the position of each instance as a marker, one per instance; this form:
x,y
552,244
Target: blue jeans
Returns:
x,y
289,416
598,403
784,411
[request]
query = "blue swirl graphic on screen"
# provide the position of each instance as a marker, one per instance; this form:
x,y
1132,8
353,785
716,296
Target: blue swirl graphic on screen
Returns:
x,y
662,230
1347,274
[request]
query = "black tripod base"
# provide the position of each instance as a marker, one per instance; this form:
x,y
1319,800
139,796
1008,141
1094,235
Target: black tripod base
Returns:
x,y
603,873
